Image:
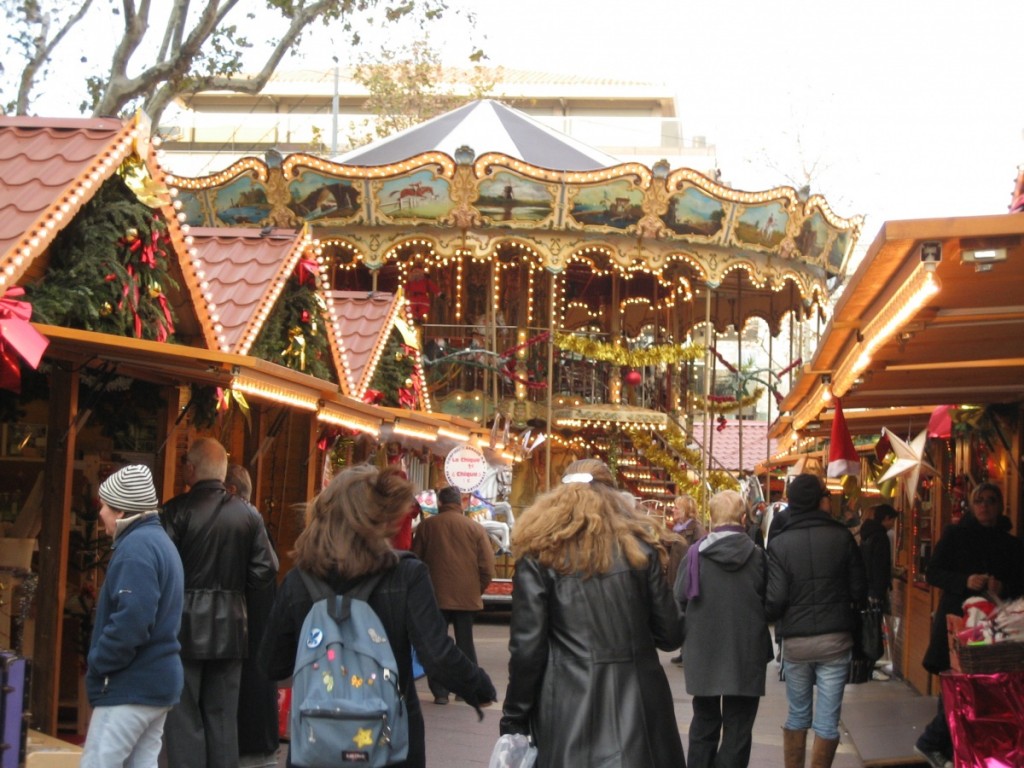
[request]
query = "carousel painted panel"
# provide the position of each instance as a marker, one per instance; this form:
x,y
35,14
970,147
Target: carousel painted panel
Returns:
x,y
761,226
196,207
616,205
418,196
510,199
813,237
838,252
695,215
317,197
240,203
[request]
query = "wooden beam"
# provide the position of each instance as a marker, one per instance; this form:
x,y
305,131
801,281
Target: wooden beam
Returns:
x,y
53,548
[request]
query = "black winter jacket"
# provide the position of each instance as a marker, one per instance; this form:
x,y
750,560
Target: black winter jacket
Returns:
x,y
224,549
815,576
877,553
965,548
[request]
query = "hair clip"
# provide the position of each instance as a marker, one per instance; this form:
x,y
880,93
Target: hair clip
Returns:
x,y
578,477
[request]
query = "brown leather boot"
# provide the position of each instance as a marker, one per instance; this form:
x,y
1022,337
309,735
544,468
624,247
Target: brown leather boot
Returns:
x,y
823,752
794,747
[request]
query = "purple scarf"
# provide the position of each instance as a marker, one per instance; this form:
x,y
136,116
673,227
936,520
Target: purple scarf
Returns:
x,y
693,564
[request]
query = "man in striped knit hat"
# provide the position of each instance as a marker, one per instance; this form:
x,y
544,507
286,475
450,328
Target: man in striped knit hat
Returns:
x,y
135,673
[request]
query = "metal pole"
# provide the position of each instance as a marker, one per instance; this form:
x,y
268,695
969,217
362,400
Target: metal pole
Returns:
x,y
551,380
708,330
334,114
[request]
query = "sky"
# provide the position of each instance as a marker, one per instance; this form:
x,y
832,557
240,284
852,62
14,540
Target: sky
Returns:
x,y
903,108
906,109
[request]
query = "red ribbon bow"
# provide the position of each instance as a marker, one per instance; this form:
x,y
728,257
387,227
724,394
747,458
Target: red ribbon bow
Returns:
x,y
17,336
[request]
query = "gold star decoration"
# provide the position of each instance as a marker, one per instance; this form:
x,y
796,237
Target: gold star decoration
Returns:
x,y
910,461
363,737
357,681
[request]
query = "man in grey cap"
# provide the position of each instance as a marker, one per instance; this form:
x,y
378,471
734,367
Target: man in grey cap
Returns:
x,y
134,671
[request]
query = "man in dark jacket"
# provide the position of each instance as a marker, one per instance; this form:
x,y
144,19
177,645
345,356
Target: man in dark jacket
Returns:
x,y
224,549
815,578
134,671
460,558
876,552
976,557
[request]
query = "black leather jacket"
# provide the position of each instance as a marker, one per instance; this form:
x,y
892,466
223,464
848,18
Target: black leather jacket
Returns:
x,y
815,576
584,674
224,549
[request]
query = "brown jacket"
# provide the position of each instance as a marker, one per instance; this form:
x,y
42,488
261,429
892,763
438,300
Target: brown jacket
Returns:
x,y
459,556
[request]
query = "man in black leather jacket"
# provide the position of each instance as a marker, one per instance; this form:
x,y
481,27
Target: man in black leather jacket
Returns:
x,y
224,549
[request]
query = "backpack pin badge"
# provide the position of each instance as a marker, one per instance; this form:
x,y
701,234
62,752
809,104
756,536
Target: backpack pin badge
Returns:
x,y
316,636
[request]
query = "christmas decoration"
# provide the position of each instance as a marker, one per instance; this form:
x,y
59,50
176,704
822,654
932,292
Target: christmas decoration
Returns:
x,y
292,334
632,378
842,456
108,269
614,353
687,482
18,339
722,403
909,461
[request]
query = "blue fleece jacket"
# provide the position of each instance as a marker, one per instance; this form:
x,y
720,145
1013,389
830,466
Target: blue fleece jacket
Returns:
x,y
134,655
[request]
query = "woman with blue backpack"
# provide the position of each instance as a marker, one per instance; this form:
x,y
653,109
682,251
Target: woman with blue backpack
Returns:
x,y
347,579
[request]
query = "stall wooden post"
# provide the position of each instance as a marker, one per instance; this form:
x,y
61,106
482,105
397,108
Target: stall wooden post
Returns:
x,y
53,548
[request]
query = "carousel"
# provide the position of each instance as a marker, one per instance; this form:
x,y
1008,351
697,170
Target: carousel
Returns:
x,y
553,291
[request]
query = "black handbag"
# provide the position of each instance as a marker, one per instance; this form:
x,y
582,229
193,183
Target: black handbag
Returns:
x,y
872,646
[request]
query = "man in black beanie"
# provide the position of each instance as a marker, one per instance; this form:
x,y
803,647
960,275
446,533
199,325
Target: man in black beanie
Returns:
x,y
815,575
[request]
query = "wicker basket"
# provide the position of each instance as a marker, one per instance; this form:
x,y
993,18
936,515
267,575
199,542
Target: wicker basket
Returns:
x,y
989,659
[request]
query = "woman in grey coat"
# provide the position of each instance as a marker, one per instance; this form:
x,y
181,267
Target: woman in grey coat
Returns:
x,y
590,609
726,646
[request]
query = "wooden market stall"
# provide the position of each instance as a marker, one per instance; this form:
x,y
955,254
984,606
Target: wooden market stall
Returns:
x,y
124,336
927,342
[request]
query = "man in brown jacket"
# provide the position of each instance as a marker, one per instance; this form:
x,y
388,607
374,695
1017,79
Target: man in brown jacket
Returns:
x,y
460,558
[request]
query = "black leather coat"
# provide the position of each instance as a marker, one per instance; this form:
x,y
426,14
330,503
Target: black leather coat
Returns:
x,y
584,674
224,548
815,576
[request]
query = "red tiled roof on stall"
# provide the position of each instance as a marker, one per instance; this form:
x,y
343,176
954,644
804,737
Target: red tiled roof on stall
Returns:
x,y
362,323
725,445
246,270
51,167
42,161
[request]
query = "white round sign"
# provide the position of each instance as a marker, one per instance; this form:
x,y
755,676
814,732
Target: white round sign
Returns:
x,y
465,468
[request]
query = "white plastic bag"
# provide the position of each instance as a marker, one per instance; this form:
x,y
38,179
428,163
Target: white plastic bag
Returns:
x,y
513,750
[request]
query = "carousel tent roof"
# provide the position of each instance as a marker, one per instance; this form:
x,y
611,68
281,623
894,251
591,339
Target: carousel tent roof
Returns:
x,y
485,126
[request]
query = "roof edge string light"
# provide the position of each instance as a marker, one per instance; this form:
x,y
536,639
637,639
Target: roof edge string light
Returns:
x,y
329,415
904,304
420,433
274,392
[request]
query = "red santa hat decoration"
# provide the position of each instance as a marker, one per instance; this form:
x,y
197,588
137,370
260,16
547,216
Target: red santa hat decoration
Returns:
x,y
842,456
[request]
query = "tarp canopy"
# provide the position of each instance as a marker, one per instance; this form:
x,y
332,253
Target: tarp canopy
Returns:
x,y
485,126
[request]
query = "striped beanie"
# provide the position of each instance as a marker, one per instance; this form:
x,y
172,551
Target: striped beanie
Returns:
x,y
130,489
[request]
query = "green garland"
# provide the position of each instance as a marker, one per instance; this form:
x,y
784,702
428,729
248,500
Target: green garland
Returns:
x,y
108,269
615,353
393,370
293,334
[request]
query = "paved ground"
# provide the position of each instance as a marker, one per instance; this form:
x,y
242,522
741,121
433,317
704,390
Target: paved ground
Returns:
x,y
884,717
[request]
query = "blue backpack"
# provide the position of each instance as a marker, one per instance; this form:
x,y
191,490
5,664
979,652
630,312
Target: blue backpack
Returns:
x,y
347,708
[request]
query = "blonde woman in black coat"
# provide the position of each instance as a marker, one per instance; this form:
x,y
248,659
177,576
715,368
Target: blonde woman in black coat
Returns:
x,y
590,609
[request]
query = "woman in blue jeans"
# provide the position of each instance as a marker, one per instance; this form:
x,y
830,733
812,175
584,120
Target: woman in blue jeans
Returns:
x,y
815,577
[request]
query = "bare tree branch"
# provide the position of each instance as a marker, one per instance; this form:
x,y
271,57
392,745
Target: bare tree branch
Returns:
x,y
41,53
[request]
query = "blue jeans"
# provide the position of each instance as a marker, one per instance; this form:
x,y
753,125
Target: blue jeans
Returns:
x,y
126,734
801,677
